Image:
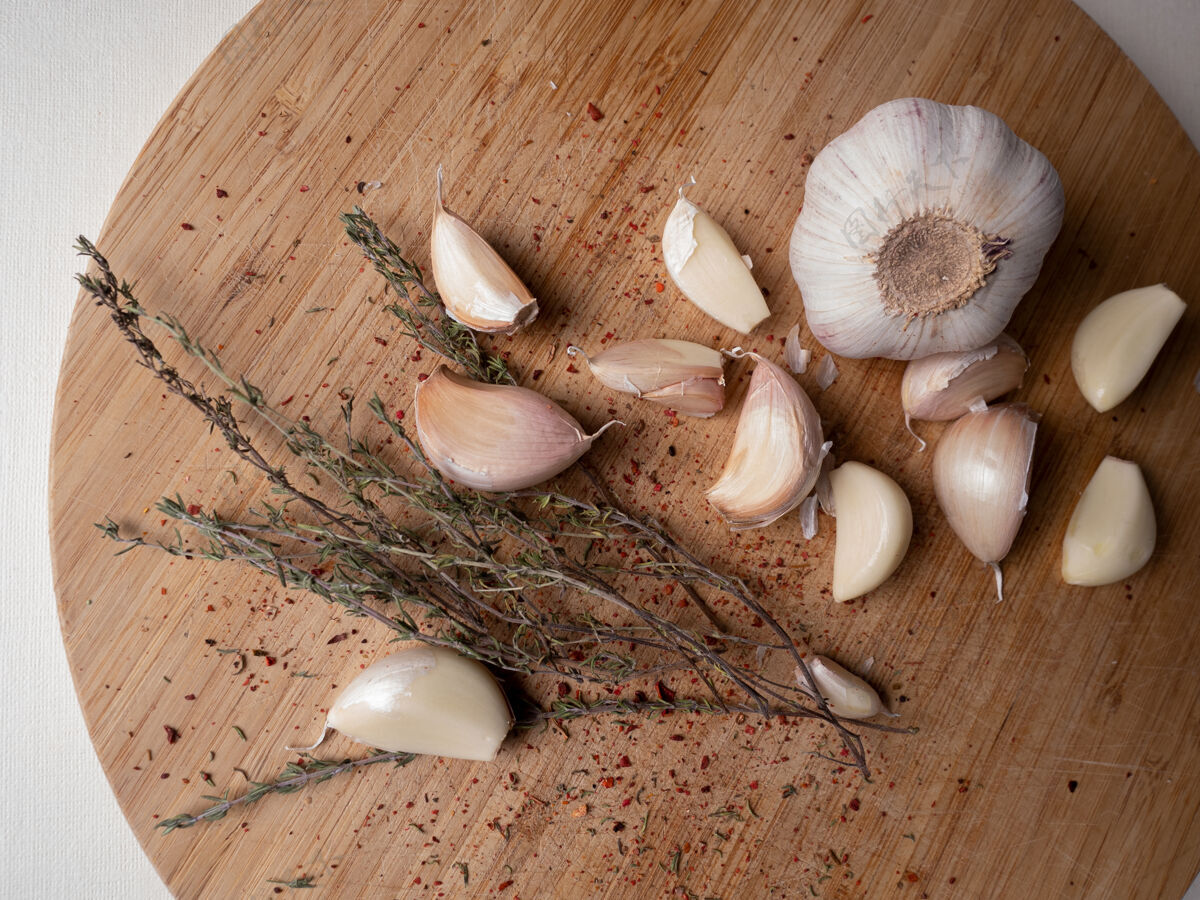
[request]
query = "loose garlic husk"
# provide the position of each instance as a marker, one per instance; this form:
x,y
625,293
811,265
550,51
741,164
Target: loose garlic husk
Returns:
x,y
1112,531
922,227
776,454
1117,342
942,387
874,527
846,695
796,357
495,437
477,287
705,265
981,479
423,699
688,377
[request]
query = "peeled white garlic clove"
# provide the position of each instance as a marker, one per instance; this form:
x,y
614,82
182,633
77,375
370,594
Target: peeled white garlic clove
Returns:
x,y
688,377
477,287
424,700
981,479
776,454
941,387
922,227
1112,531
703,262
874,527
495,437
1116,343
846,695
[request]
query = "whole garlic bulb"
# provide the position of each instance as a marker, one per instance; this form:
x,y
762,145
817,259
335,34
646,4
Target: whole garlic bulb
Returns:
x,y
922,227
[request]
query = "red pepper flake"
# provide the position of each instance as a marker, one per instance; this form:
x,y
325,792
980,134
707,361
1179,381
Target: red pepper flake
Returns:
x,y
563,689
865,19
337,638
789,137
504,884
303,188
537,373
422,25
399,415
704,763
287,401
221,194
538,202
624,763
659,287
594,112
380,340
854,804
269,660
187,226
193,509
677,737
189,696
911,877
172,734
665,693
571,368
607,781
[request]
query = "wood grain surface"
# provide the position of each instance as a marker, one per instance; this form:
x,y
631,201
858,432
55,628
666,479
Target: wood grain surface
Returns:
x,y
1057,753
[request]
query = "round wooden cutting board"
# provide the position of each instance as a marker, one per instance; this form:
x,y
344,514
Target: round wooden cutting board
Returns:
x,y
1058,750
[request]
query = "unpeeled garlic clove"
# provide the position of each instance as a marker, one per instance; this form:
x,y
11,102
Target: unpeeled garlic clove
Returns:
x,y
981,479
705,265
688,377
1112,531
941,387
846,695
1116,342
494,437
776,454
477,287
424,699
874,527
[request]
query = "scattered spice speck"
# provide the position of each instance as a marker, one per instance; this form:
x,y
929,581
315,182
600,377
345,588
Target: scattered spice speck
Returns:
x,y
594,112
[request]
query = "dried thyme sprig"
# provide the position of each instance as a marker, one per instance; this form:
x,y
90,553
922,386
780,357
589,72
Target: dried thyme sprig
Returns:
x,y
418,308
472,596
295,776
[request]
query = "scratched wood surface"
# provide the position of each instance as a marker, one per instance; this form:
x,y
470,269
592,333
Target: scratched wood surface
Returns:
x,y
1058,749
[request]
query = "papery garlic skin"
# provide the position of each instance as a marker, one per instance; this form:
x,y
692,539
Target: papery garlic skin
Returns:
x,y
941,387
922,227
1112,531
425,700
776,454
494,437
477,287
1117,342
874,528
981,477
846,695
705,265
688,377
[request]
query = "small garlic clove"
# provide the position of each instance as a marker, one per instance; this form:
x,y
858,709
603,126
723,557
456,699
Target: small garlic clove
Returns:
x,y
688,377
847,695
425,700
705,265
494,437
874,527
776,454
1112,531
477,287
941,387
981,478
1117,342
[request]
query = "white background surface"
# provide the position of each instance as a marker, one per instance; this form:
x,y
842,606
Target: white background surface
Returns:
x,y
83,83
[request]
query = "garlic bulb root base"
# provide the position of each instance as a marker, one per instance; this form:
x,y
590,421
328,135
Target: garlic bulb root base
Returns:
x,y
931,263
